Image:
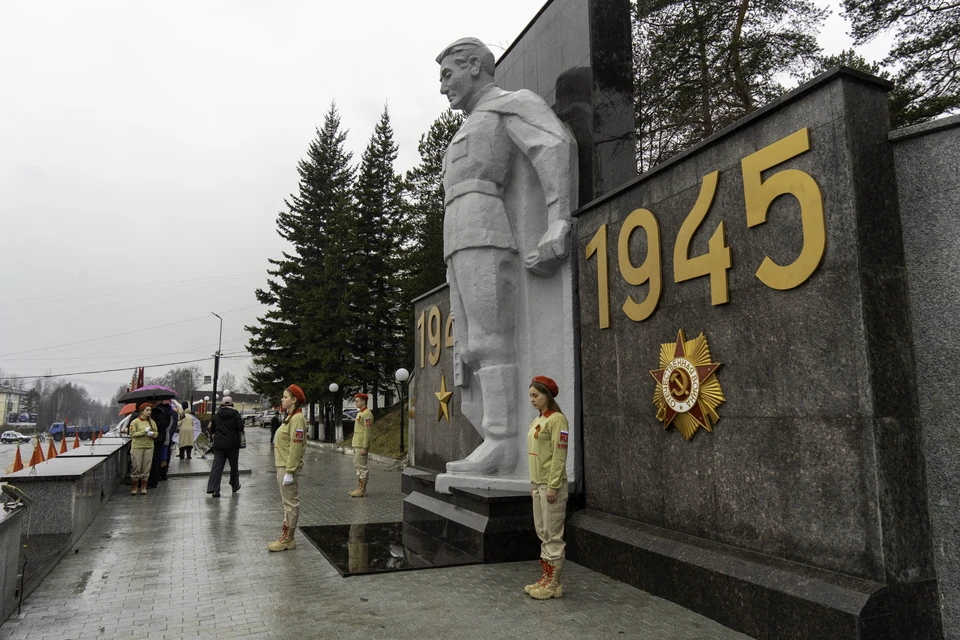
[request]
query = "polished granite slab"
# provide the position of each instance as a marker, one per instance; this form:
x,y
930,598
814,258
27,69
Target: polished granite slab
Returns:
x,y
382,547
98,449
65,468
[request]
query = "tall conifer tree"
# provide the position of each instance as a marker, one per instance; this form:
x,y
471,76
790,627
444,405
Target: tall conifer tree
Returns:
x,y
377,262
302,337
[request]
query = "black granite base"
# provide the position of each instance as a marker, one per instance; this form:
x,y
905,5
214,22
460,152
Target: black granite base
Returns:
x,y
381,547
493,526
764,597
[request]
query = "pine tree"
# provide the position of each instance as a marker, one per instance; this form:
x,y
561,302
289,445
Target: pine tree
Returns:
x,y
702,64
301,339
925,54
377,264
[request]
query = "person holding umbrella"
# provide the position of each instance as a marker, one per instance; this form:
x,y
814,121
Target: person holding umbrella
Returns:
x,y
227,426
143,431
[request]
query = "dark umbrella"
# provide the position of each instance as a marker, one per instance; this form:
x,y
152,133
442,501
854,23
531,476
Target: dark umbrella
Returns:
x,y
146,393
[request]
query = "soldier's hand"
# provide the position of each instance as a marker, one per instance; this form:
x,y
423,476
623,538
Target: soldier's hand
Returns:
x,y
288,479
551,495
551,250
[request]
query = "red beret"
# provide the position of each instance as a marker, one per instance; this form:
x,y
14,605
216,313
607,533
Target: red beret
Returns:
x,y
297,393
145,404
362,396
549,384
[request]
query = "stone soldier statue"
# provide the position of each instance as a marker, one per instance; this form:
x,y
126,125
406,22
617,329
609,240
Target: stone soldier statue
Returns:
x,y
510,184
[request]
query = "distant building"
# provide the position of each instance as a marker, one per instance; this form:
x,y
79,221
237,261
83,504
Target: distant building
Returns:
x,y
13,403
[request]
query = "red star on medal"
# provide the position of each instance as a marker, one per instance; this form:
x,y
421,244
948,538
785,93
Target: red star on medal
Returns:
x,y
703,372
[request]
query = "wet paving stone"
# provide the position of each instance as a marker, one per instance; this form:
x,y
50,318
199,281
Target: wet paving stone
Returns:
x,y
178,563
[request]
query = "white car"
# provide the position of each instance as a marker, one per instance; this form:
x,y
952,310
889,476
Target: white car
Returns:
x,y
14,436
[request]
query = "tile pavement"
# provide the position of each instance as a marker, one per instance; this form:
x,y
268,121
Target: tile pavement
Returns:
x,y
177,563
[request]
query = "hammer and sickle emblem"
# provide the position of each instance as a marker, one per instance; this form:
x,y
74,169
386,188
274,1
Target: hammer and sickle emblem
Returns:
x,y
681,381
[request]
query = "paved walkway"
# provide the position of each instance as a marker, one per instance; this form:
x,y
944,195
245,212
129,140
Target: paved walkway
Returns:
x,y
177,563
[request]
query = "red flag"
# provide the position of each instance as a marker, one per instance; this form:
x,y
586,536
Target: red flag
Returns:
x,y
18,461
140,378
51,451
63,442
76,441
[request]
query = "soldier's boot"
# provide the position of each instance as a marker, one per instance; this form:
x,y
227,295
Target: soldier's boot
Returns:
x,y
134,484
498,451
360,491
143,486
285,541
551,588
543,577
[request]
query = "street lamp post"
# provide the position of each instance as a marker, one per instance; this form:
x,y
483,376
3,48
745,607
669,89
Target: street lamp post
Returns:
x,y
216,364
402,376
334,387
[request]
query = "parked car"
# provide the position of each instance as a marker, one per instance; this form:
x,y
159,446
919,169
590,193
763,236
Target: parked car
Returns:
x,y
9,437
349,415
264,418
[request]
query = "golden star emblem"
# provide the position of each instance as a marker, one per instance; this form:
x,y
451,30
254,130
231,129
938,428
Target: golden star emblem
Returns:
x,y
687,392
443,411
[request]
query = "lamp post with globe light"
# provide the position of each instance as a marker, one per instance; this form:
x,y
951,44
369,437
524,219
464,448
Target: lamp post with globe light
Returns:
x,y
334,387
402,375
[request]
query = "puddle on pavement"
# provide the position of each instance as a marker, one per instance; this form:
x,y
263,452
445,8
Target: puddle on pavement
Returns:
x,y
382,547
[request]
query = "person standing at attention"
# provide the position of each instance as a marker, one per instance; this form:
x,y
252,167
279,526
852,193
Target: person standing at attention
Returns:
x,y
143,431
289,443
547,447
362,429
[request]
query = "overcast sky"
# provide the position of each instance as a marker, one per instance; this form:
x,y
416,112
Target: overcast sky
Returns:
x,y
146,148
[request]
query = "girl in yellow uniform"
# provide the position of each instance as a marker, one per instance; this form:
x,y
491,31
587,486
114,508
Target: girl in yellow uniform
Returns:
x,y
289,443
547,447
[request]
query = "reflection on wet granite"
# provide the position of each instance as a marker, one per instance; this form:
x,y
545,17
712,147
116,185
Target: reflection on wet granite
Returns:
x,y
382,547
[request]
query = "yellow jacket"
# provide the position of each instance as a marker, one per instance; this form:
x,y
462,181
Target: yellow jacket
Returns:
x,y
138,431
290,441
547,445
362,429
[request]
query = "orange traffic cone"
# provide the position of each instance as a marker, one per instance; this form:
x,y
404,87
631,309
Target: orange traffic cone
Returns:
x,y
37,456
18,461
63,444
76,441
51,451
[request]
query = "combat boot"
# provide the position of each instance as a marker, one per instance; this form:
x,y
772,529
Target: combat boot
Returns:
x,y
551,588
543,577
361,489
143,487
285,541
134,485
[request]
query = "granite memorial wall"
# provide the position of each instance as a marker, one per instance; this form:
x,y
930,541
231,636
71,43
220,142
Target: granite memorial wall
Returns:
x,y
927,158
779,240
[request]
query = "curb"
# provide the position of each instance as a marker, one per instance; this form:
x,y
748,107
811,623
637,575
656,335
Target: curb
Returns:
x,y
330,446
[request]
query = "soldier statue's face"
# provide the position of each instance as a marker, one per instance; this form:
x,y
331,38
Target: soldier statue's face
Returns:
x,y
458,83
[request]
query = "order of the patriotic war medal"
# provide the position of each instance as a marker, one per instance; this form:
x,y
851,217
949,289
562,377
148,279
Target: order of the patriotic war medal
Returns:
x,y
688,392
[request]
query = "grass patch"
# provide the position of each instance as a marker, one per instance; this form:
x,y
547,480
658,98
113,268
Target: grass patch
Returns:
x,y
386,433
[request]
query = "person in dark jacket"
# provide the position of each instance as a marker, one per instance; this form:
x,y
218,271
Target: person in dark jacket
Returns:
x,y
161,415
274,425
226,427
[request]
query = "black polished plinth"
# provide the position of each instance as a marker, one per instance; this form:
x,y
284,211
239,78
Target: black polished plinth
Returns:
x,y
381,547
492,526
764,597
